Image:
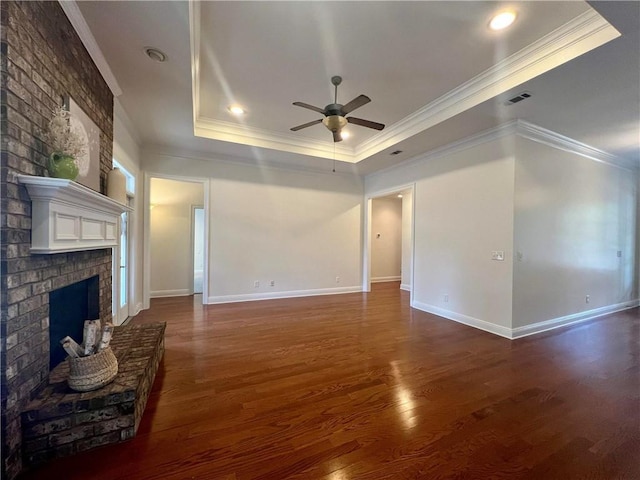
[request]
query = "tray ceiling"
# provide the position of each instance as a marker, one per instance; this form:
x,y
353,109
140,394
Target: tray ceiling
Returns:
x,y
434,71
420,62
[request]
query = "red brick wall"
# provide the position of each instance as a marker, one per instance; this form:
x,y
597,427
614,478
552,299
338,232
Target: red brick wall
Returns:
x,y
42,60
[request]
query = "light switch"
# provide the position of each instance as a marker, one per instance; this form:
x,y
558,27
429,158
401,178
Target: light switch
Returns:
x,y
497,255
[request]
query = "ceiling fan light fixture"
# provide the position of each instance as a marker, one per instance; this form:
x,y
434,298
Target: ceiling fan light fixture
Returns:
x,y
334,122
502,20
335,114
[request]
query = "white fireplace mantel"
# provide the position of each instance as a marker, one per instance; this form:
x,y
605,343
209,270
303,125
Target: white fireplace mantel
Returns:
x,y
69,217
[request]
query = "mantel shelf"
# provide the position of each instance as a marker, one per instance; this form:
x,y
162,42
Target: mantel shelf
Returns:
x,y
69,217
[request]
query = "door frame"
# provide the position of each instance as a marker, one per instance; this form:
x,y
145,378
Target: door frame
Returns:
x,y
146,278
122,311
193,251
120,315
366,260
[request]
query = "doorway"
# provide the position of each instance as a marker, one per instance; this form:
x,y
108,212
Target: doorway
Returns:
x,y
176,225
198,247
372,272
386,239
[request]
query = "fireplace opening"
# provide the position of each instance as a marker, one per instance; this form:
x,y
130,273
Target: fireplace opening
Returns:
x,y
69,307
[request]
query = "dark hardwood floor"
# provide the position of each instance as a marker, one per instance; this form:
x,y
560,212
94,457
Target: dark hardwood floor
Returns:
x,y
360,386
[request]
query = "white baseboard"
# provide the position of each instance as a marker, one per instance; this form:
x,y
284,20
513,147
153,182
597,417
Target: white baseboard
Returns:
x,y
519,332
170,293
405,286
572,319
251,297
138,309
385,279
465,319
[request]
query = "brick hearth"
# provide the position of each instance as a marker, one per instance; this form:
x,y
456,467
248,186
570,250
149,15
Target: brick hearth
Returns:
x,y
61,422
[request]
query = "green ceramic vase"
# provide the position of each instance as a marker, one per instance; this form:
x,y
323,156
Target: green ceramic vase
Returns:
x,y
62,166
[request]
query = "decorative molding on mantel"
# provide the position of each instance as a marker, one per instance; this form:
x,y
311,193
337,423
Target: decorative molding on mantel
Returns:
x,y
69,217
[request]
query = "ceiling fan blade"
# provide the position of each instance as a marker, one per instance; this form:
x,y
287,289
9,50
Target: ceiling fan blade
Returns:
x,y
310,107
305,125
355,103
337,137
365,123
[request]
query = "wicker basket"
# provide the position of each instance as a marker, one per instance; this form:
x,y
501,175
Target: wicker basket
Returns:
x,y
92,372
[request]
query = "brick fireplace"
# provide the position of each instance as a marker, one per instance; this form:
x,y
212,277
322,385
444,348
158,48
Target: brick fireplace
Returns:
x,y
43,60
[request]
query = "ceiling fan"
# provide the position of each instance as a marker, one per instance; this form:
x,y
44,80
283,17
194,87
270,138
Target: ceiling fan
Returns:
x,y
334,113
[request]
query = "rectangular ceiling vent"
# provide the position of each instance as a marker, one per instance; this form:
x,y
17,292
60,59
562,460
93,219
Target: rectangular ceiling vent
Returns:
x,y
518,98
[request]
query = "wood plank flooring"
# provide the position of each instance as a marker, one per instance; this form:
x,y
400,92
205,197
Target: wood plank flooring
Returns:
x,y
360,386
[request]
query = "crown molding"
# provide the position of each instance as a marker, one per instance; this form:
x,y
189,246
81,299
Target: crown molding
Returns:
x,y
580,35
519,128
234,161
522,129
576,37
553,139
504,130
244,134
72,11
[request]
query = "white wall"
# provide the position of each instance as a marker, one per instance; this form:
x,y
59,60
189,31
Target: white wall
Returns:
x,y
170,236
126,151
572,216
386,239
463,210
299,229
407,244
566,214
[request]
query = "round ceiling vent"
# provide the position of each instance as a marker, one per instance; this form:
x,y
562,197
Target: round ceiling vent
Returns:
x,y
155,54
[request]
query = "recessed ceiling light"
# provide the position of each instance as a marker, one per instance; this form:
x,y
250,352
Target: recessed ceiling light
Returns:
x,y
236,109
399,195
155,54
502,20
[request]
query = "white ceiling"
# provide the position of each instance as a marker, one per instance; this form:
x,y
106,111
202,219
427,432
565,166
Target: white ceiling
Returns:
x,y
404,55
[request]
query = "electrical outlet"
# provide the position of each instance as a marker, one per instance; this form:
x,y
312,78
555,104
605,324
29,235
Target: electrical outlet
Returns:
x,y
256,284
272,283
587,299
445,298
337,279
